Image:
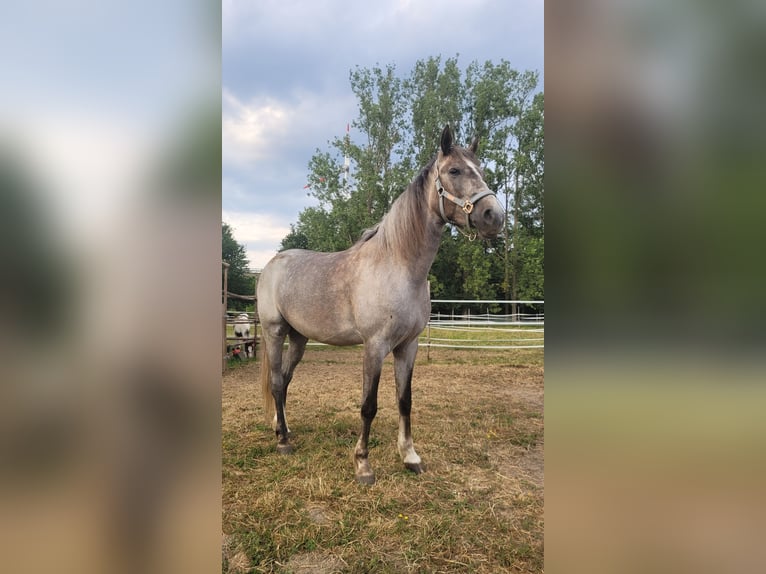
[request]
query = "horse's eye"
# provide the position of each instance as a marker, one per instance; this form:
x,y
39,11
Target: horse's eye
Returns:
x,y
454,171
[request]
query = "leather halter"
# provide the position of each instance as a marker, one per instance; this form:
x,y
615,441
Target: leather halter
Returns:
x,y
465,204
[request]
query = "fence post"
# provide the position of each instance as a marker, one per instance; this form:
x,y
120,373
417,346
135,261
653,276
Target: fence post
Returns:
x,y
428,343
225,306
255,317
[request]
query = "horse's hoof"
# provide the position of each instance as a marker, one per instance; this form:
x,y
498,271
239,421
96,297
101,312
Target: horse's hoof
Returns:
x,y
365,478
417,468
284,448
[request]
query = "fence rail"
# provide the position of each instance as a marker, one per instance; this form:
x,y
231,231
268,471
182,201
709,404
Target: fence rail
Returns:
x,y
486,331
496,331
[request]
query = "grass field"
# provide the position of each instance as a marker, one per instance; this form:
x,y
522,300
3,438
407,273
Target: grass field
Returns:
x,y
477,424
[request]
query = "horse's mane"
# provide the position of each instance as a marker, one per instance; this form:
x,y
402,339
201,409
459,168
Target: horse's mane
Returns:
x,y
368,234
405,223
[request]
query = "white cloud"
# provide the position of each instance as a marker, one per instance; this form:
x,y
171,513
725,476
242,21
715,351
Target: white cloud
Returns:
x,y
258,258
249,130
265,128
250,228
260,234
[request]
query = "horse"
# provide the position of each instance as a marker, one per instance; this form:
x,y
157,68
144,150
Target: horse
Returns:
x,y
242,325
375,293
242,330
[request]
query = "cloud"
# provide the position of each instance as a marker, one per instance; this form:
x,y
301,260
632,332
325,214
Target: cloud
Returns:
x,y
260,233
258,258
252,228
249,130
289,44
265,128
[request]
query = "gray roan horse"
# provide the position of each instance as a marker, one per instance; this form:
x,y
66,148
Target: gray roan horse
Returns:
x,y
375,293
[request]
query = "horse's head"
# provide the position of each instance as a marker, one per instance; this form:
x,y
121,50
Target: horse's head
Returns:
x,y
464,197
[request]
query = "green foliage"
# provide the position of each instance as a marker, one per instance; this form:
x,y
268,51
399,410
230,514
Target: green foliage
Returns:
x,y
530,164
233,253
296,239
532,267
400,119
474,267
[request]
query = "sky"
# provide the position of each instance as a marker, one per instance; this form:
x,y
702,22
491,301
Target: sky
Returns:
x,y
286,88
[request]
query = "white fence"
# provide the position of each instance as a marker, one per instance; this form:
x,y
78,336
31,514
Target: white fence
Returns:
x,y
464,330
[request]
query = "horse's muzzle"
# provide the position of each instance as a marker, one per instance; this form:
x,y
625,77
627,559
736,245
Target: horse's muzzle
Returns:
x,y
489,219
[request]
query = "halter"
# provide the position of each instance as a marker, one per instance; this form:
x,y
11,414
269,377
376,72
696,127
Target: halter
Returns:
x,y
465,204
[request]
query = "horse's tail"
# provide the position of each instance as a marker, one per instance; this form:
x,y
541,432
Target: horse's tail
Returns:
x,y
268,398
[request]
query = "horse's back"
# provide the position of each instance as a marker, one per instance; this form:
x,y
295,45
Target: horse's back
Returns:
x,y
309,290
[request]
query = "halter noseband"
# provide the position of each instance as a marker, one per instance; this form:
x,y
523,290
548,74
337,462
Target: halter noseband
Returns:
x,y
465,204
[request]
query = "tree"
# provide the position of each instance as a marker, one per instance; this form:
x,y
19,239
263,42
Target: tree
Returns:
x,y
296,239
400,119
529,268
239,279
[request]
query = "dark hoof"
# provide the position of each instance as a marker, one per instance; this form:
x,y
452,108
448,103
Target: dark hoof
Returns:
x,y
365,478
284,448
416,468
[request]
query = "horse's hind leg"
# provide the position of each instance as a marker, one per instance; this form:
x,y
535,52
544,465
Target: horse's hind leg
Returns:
x,y
273,339
292,357
404,360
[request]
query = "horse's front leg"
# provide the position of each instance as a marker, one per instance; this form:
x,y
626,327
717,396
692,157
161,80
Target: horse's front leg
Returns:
x,y
373,362
404,361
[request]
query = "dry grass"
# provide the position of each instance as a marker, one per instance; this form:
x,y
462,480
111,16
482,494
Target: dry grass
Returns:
x,y
477,424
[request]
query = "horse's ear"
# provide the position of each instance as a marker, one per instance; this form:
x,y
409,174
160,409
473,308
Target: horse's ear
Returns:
x,y
446,140
474,147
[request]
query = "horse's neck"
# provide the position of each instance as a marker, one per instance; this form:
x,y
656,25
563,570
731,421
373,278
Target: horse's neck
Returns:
x,y
416,249
424,253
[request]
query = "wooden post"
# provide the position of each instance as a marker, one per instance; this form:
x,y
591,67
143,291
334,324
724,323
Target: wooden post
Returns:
x,y
428,326
255,317
223,318
428,344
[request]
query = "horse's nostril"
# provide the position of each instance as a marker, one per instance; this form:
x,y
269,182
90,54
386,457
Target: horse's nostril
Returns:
x,y
492,219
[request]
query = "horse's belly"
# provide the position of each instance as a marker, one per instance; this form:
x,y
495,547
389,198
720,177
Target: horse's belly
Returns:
x,y
326,328
342,339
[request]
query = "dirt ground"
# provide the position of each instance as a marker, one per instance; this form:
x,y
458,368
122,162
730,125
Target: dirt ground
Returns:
x,y
477,423
331,380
